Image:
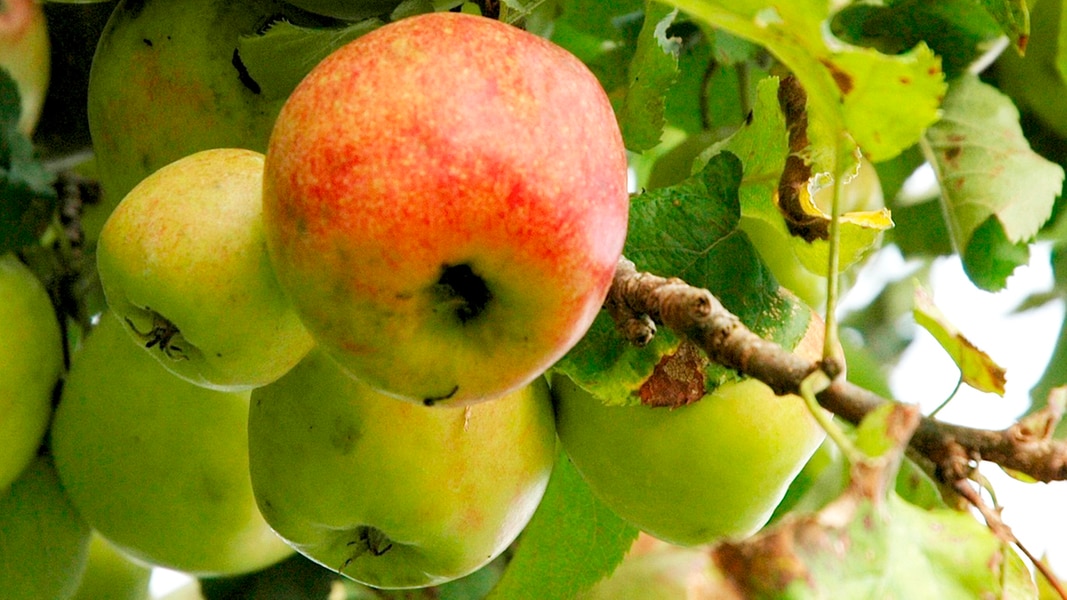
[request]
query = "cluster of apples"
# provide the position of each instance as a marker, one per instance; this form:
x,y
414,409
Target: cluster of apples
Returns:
x,y
337,343
360,318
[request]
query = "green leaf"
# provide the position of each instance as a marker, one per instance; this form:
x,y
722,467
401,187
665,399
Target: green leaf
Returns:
x,y
884,103
690,231
652,71
27,196
279,58
995,190
571,542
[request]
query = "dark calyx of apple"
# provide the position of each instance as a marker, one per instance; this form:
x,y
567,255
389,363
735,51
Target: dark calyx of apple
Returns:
x,y
368,539
162,334
463,294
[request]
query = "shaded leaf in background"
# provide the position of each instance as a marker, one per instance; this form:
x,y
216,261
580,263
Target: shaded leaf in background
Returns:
x,y
572,542
1013,16
689,231
976,367
603,35
27,196
653,69
959,31
995,191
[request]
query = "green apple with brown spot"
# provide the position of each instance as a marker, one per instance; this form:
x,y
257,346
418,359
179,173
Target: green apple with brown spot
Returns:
x,y
389,493
445,203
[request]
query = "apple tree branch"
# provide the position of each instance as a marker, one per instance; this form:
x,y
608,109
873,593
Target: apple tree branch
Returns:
x,y
639,302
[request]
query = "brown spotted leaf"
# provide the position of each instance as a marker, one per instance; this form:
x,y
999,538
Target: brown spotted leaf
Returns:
x,y
995,190
678,378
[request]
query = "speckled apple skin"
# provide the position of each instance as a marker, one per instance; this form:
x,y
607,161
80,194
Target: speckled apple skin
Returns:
x,y
436,141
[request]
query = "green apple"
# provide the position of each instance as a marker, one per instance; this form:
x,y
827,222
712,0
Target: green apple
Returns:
x,y
184,265
25,54
445,202
44,544
349,10
390,493
31,359
157,465
167,81
111,575
695,474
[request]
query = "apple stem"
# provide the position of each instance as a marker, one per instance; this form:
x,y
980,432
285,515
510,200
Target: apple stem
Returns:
x,y
809,388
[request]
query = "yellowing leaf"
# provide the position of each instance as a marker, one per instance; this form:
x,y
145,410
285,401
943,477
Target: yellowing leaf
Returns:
x,y
978,369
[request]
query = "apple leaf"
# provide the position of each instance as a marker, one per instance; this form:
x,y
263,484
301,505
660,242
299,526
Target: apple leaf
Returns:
x,y
884,103
995,190
762,146
689,230
27,195
281,56
571,542
977,368
653,69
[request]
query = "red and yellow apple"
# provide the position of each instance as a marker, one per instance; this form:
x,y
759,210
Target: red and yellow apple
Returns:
x,y
184,265
698,473
390,493
157,465
445,202
31,359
